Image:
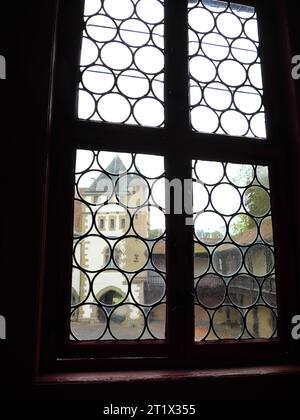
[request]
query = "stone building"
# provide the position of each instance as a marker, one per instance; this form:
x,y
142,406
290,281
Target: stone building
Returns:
x,y
105,247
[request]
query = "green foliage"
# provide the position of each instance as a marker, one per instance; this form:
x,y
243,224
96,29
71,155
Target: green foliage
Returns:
x,y
155,233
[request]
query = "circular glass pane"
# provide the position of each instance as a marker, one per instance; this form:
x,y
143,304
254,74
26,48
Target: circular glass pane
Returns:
x,y
158,34
98,79
258,125
132,190
119,9
158,255
227,259
261,322
217,96
133,84
200,197
204,120
148,287
209,173
134,32
150,11
244,50
211,291
149,60
251,29
116,55
101,28
243,291
259,260
232,73
112,221
240,175
229,25
113,107
215,46
127,322
202,69
110,287
266,230
88,322
202,323
156,321
195,93
201,260
89,52
149,112
201,20
149,222
262,174
86,105
269,292
91,7
157,85
158,189
248,100
226,199
95,187
130,254
210,228
228,323
84,160
96,252
256,201
150,166
234,123
255,75
243,230
194,43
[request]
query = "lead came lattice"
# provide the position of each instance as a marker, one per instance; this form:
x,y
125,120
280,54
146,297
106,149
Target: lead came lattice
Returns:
x,y
226,90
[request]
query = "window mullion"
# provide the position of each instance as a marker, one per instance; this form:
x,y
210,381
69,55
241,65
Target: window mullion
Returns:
x,y
178,167
176,69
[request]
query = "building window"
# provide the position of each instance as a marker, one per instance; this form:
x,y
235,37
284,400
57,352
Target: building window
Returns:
x,y
112,223
155,120
122,223
102,224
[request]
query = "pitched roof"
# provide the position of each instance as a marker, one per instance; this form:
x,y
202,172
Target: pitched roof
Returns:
x,y
115,167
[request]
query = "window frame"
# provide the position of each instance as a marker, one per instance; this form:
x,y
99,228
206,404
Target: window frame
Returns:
x,y
69,134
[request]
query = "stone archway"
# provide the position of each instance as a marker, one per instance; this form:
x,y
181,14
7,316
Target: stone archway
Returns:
x,y
110,296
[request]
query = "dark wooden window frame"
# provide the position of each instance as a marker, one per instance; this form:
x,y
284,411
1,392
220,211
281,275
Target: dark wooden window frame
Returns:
x,y
179,144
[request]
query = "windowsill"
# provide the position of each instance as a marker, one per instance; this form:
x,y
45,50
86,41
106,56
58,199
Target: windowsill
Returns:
x,y
147,376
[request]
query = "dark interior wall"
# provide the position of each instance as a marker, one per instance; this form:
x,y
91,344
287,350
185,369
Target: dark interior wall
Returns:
x,y
26,36
26,41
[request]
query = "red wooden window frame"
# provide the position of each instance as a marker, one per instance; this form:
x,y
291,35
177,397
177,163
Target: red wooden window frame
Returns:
x,y
69,134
